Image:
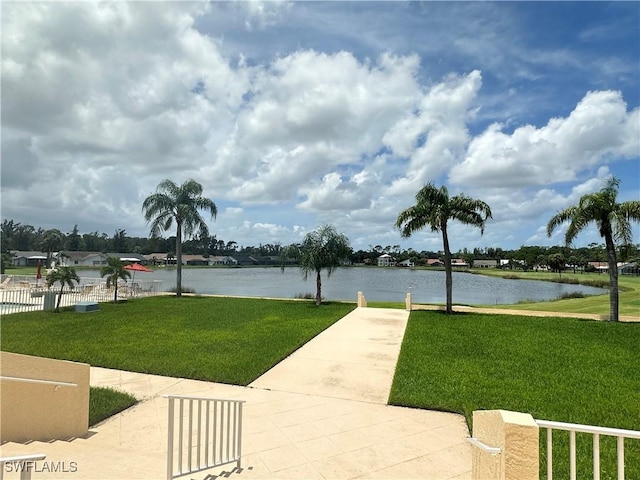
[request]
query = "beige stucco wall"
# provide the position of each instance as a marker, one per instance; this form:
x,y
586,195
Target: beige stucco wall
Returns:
x,y
34,411
516,434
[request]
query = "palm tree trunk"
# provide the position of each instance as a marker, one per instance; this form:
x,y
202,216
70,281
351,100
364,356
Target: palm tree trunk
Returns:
x,y
447,269
115,291
613,277
179,259
318,288
59,298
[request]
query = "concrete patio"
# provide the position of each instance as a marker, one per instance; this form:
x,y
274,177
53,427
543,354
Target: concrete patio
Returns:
x,y
319,414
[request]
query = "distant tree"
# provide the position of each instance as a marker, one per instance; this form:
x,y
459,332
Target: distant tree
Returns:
x,y
613,220
74,240
557,262
114,270
321,249
434,208
52,241
119,241
64,275
180,204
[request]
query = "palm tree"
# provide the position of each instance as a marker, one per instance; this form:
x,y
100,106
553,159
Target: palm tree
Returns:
x,y
180,204
614,225
434,208
64,275
52,240
321,249
114,270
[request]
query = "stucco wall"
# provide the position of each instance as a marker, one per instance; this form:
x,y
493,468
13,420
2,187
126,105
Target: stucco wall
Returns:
x,y
40,411
516,434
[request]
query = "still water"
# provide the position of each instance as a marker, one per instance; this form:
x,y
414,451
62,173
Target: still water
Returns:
x,y
377,284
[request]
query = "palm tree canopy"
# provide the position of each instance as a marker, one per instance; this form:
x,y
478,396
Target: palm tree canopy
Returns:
x,y
64,275
434,208
323,249
180,204
601,208
114,270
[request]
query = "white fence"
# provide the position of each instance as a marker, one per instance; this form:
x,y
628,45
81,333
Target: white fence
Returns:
x,y
26,293
573,428
203,433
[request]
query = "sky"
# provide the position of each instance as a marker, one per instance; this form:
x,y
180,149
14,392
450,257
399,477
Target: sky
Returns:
x,y
297,114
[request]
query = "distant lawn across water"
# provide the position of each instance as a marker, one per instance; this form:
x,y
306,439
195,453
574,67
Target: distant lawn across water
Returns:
x,y
217,339
560,369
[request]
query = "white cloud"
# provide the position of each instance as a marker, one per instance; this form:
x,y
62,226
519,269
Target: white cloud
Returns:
x,y
598,130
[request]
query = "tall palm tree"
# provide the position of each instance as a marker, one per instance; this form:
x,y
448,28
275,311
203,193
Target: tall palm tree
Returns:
x,y
614,225
434,208
321,249
114,270
52,240
64,275
179,204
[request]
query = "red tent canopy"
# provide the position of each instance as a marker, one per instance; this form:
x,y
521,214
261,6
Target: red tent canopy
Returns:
x,y
136,267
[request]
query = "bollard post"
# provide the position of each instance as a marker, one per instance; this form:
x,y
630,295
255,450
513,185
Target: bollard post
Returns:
x,y
362,302
407,302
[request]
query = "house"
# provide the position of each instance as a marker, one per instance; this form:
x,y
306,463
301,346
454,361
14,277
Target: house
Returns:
x,y
406,263
26,259
82,259
485,263
459,263
434,262
601,267
222,260
631,268
195,260
386,260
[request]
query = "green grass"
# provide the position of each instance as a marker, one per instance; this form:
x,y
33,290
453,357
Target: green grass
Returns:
x,y
629,297
226,340
106,402
556,369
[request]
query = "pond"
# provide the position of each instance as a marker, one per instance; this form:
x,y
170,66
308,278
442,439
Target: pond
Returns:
x,y
377,284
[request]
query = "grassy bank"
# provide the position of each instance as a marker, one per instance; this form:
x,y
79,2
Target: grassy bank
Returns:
x,y
629,286
227,340
556,369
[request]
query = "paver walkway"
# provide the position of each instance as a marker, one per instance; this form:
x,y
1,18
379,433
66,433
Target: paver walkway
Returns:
x,y
319,414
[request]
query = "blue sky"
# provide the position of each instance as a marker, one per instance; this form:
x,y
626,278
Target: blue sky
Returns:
x,y
294,114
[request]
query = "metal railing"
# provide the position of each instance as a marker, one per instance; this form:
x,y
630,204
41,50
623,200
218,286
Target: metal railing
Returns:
x,y
206,431
24,294
573,428
22,464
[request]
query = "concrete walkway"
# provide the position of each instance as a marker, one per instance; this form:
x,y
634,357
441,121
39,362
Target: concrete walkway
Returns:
x,y
319,414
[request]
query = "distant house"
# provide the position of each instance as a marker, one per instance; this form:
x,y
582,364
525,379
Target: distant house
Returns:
x,y
602,267
386,260
434,262
406,263
194,260
485,263
27,259
222,260
82,259
459,263
631,268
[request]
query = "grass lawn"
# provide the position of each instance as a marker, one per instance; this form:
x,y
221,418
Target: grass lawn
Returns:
x,y
629,297
227,340
556,369
106,402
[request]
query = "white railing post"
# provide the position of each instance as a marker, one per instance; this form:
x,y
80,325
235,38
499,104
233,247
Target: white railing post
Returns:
x,y
21,464
574,428
225,436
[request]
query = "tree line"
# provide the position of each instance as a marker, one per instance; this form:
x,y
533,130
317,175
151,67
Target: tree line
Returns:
x,y
24,237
